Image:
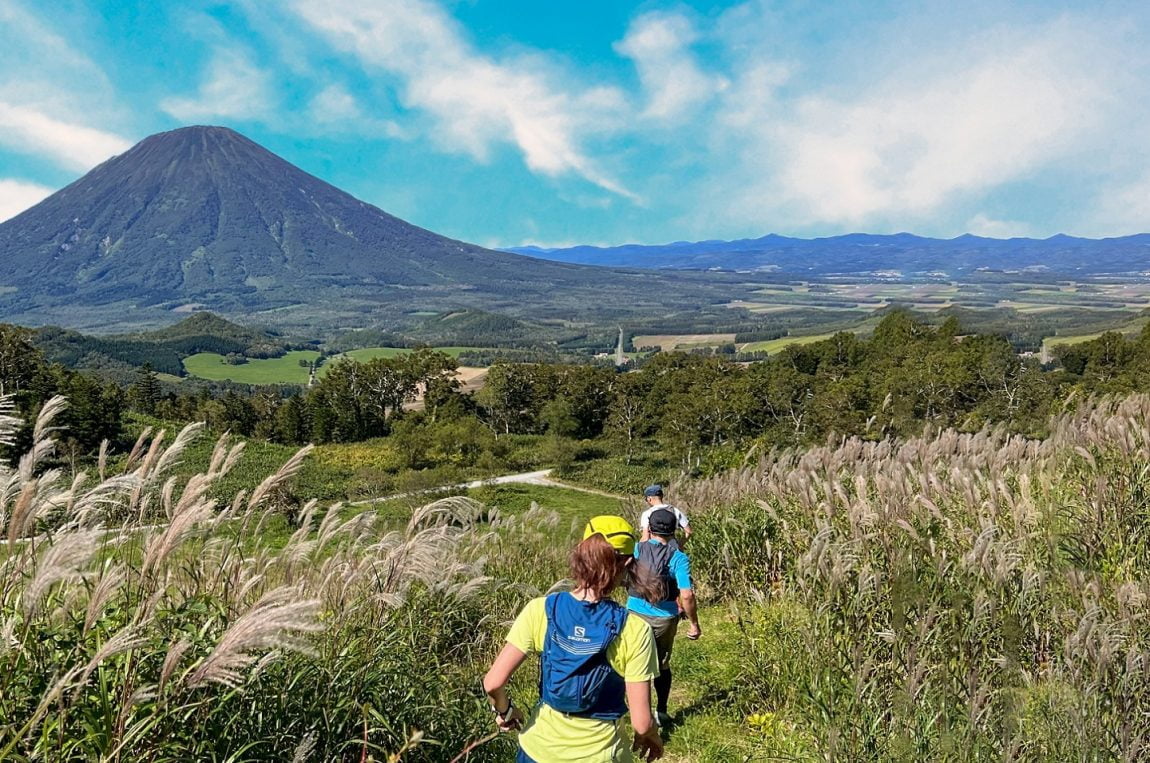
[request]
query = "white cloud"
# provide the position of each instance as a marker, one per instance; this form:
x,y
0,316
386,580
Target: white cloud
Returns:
x,y
337,110
918,143
17,195
981,225
334,103
913,150
476,101
1121,210
659,45
38,46
70,145
54,101
234,88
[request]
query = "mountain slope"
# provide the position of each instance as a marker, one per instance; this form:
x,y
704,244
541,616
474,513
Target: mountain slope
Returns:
x,y
204,216
862,254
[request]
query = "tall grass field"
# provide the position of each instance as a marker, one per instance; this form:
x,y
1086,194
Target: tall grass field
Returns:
x,y
957,596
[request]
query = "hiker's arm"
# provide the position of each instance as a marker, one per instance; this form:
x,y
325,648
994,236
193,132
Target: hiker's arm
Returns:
x,y
495,684
684,525
691,610
647,740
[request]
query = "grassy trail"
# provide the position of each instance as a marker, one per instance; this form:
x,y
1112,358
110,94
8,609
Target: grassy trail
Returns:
x,y
706,728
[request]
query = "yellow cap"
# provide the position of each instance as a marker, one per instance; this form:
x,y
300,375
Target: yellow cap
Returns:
x,y
618,532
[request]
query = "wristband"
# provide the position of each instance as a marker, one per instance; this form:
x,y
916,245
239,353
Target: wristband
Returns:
x,y
506,713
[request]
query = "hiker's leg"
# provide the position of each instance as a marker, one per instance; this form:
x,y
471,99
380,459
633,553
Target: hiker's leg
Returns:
x,y
662,690
664,644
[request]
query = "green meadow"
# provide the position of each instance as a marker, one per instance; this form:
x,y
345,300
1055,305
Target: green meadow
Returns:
x,y
287,369
778,345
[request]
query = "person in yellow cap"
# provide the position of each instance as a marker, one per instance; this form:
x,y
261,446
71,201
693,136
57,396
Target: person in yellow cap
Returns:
x,y
596,662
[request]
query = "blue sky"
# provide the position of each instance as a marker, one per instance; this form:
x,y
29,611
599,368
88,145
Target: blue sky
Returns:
x,y
606,121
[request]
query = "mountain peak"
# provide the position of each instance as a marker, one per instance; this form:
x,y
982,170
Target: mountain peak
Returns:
x,y
204,218
206,137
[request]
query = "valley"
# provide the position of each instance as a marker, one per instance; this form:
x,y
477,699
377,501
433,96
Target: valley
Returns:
x,y
257,433
295,367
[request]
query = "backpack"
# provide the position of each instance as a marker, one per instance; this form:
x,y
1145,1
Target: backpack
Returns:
x,y
575,677
655,559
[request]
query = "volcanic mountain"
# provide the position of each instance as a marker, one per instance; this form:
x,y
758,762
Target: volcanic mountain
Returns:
x,y
204,217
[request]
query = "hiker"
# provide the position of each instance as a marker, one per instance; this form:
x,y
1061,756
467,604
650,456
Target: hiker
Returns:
x,y
596,661
660,560
653,495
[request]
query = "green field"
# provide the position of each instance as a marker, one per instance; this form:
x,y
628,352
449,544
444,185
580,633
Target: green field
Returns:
x,y
371,353
1025,297
1051,342
1056,341
777,345
285,370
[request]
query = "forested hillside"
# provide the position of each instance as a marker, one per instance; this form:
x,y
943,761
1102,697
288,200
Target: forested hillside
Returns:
x,y
163,350
676,413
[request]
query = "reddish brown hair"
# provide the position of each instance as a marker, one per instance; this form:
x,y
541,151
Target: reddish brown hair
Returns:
x,y
596,566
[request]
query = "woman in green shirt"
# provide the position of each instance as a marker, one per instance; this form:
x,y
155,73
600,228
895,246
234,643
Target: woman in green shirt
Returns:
x,y
597,662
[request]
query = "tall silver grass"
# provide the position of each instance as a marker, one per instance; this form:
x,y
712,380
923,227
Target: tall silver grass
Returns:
x,y
173,544
1051,537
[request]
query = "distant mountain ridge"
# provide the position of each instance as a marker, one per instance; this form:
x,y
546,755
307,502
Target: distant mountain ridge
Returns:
x,y
202,217
862,254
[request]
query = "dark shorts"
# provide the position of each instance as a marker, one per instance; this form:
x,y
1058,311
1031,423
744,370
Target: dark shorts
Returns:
x,y
664,629
523,757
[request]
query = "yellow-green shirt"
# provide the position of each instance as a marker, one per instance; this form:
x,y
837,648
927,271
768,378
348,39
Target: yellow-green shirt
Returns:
x,y
550,736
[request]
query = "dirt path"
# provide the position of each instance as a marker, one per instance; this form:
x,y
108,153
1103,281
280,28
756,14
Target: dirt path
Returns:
x,y
541,477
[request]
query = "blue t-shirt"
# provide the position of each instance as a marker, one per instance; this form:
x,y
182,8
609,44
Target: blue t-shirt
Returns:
x,y
681,570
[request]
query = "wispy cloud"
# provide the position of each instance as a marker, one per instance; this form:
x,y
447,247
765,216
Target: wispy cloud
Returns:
x,y
982,225
17,195
336,110
910,147
476,101
659,44
68,144
233,88
1122,209
39,46
54,101
918,144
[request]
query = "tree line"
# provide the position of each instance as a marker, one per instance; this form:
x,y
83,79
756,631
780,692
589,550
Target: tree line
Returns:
x,y
907,375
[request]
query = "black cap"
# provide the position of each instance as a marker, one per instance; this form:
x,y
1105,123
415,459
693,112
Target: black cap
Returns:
x,y
663,522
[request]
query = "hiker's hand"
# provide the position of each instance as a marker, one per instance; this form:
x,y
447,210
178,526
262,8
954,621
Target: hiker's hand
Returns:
x,y
514,720
694,631
649,745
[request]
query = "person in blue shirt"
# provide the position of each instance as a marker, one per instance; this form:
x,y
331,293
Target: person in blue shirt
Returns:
x,y
663,563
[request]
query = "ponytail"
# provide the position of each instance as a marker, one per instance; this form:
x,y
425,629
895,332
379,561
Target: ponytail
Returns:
x,y
645,582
